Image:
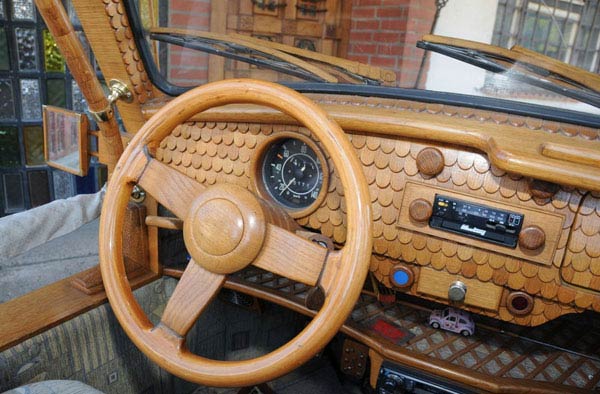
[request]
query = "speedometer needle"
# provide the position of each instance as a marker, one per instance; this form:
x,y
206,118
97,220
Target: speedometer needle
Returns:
x,y
288,185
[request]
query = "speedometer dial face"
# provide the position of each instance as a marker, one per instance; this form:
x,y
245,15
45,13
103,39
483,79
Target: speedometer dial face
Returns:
x,y
292,173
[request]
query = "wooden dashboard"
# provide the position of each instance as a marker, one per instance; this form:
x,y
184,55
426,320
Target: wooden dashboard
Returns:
x,y
412,151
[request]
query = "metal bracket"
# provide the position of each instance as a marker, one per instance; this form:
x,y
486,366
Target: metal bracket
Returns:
x,y
118,90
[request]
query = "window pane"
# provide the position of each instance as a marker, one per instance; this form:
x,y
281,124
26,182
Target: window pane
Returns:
x,y
2,14
7,101
4,57
14,200
63,184
34,145
39,188
53,60
30,99
26,49
9,147
55,90
23,9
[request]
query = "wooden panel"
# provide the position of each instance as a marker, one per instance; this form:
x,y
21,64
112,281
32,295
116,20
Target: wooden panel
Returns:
x,y
551,223
581,265
220,144
479,294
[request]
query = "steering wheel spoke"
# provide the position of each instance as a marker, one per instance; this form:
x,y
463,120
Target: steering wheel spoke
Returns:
x,y
195,290
287,254
171,188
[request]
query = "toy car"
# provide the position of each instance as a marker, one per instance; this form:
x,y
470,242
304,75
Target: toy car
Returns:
x,y
453,320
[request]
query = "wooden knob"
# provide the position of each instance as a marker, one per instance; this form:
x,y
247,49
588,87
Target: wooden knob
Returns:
x,y
542,189
532,237
430,161
420,210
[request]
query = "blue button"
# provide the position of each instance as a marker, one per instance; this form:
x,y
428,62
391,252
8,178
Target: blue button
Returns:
x,y
401,278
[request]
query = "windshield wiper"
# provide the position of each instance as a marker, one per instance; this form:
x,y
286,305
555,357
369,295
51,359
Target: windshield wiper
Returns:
x,y
296,62
512,64
237,52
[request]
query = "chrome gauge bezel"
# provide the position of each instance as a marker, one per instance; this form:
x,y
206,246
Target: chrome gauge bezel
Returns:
x,y
258,176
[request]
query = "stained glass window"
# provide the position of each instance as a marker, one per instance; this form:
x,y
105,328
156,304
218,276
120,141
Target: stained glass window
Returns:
x,y
55,92
26,49
53,60
31,106
33,72
14,200
73,15
7,100
34,145
79,103
23,9
9,147
4,56
63,184
39,187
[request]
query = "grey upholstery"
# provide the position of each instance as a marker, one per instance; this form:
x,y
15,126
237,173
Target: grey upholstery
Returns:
x,y
55,387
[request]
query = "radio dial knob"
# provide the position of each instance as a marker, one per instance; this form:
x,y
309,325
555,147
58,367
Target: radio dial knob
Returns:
x,y
420,210
457,291
532,237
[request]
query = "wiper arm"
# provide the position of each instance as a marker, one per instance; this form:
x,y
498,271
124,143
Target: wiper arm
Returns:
x,y
242,53
509,63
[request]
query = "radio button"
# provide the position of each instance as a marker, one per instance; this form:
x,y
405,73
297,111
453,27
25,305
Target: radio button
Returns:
x,y
532,237
420,210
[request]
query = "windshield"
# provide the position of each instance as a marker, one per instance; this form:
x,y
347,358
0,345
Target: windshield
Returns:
x,y
189,43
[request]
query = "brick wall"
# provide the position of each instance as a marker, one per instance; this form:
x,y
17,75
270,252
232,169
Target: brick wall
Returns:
x,y
384,33
188,67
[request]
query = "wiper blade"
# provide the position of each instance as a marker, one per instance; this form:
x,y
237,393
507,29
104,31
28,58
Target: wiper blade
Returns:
x,y
511,62
297,62
237,52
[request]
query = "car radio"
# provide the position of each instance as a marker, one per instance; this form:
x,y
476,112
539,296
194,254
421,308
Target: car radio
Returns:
x,y
476,221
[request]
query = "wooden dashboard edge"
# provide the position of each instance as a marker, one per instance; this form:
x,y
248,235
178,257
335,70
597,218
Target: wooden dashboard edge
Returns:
x,y
497,141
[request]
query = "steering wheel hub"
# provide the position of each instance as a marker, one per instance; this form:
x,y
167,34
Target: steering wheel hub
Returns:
x,y
224,229
220,227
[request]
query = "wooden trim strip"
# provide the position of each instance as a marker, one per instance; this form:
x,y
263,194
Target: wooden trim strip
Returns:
x,y
583,156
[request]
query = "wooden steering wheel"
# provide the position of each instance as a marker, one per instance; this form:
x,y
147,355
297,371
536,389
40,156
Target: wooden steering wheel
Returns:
x,y
227,228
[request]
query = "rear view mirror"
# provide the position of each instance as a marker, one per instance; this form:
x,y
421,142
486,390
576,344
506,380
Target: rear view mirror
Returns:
x,y
65,140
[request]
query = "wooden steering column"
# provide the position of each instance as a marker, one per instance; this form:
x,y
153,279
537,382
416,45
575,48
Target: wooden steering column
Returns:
x,y
226,228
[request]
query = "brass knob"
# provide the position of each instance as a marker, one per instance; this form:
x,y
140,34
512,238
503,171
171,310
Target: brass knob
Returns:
x,y
532,237
457,291
420,210
430,161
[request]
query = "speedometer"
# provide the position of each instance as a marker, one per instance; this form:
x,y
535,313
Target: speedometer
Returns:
x,y
291,172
